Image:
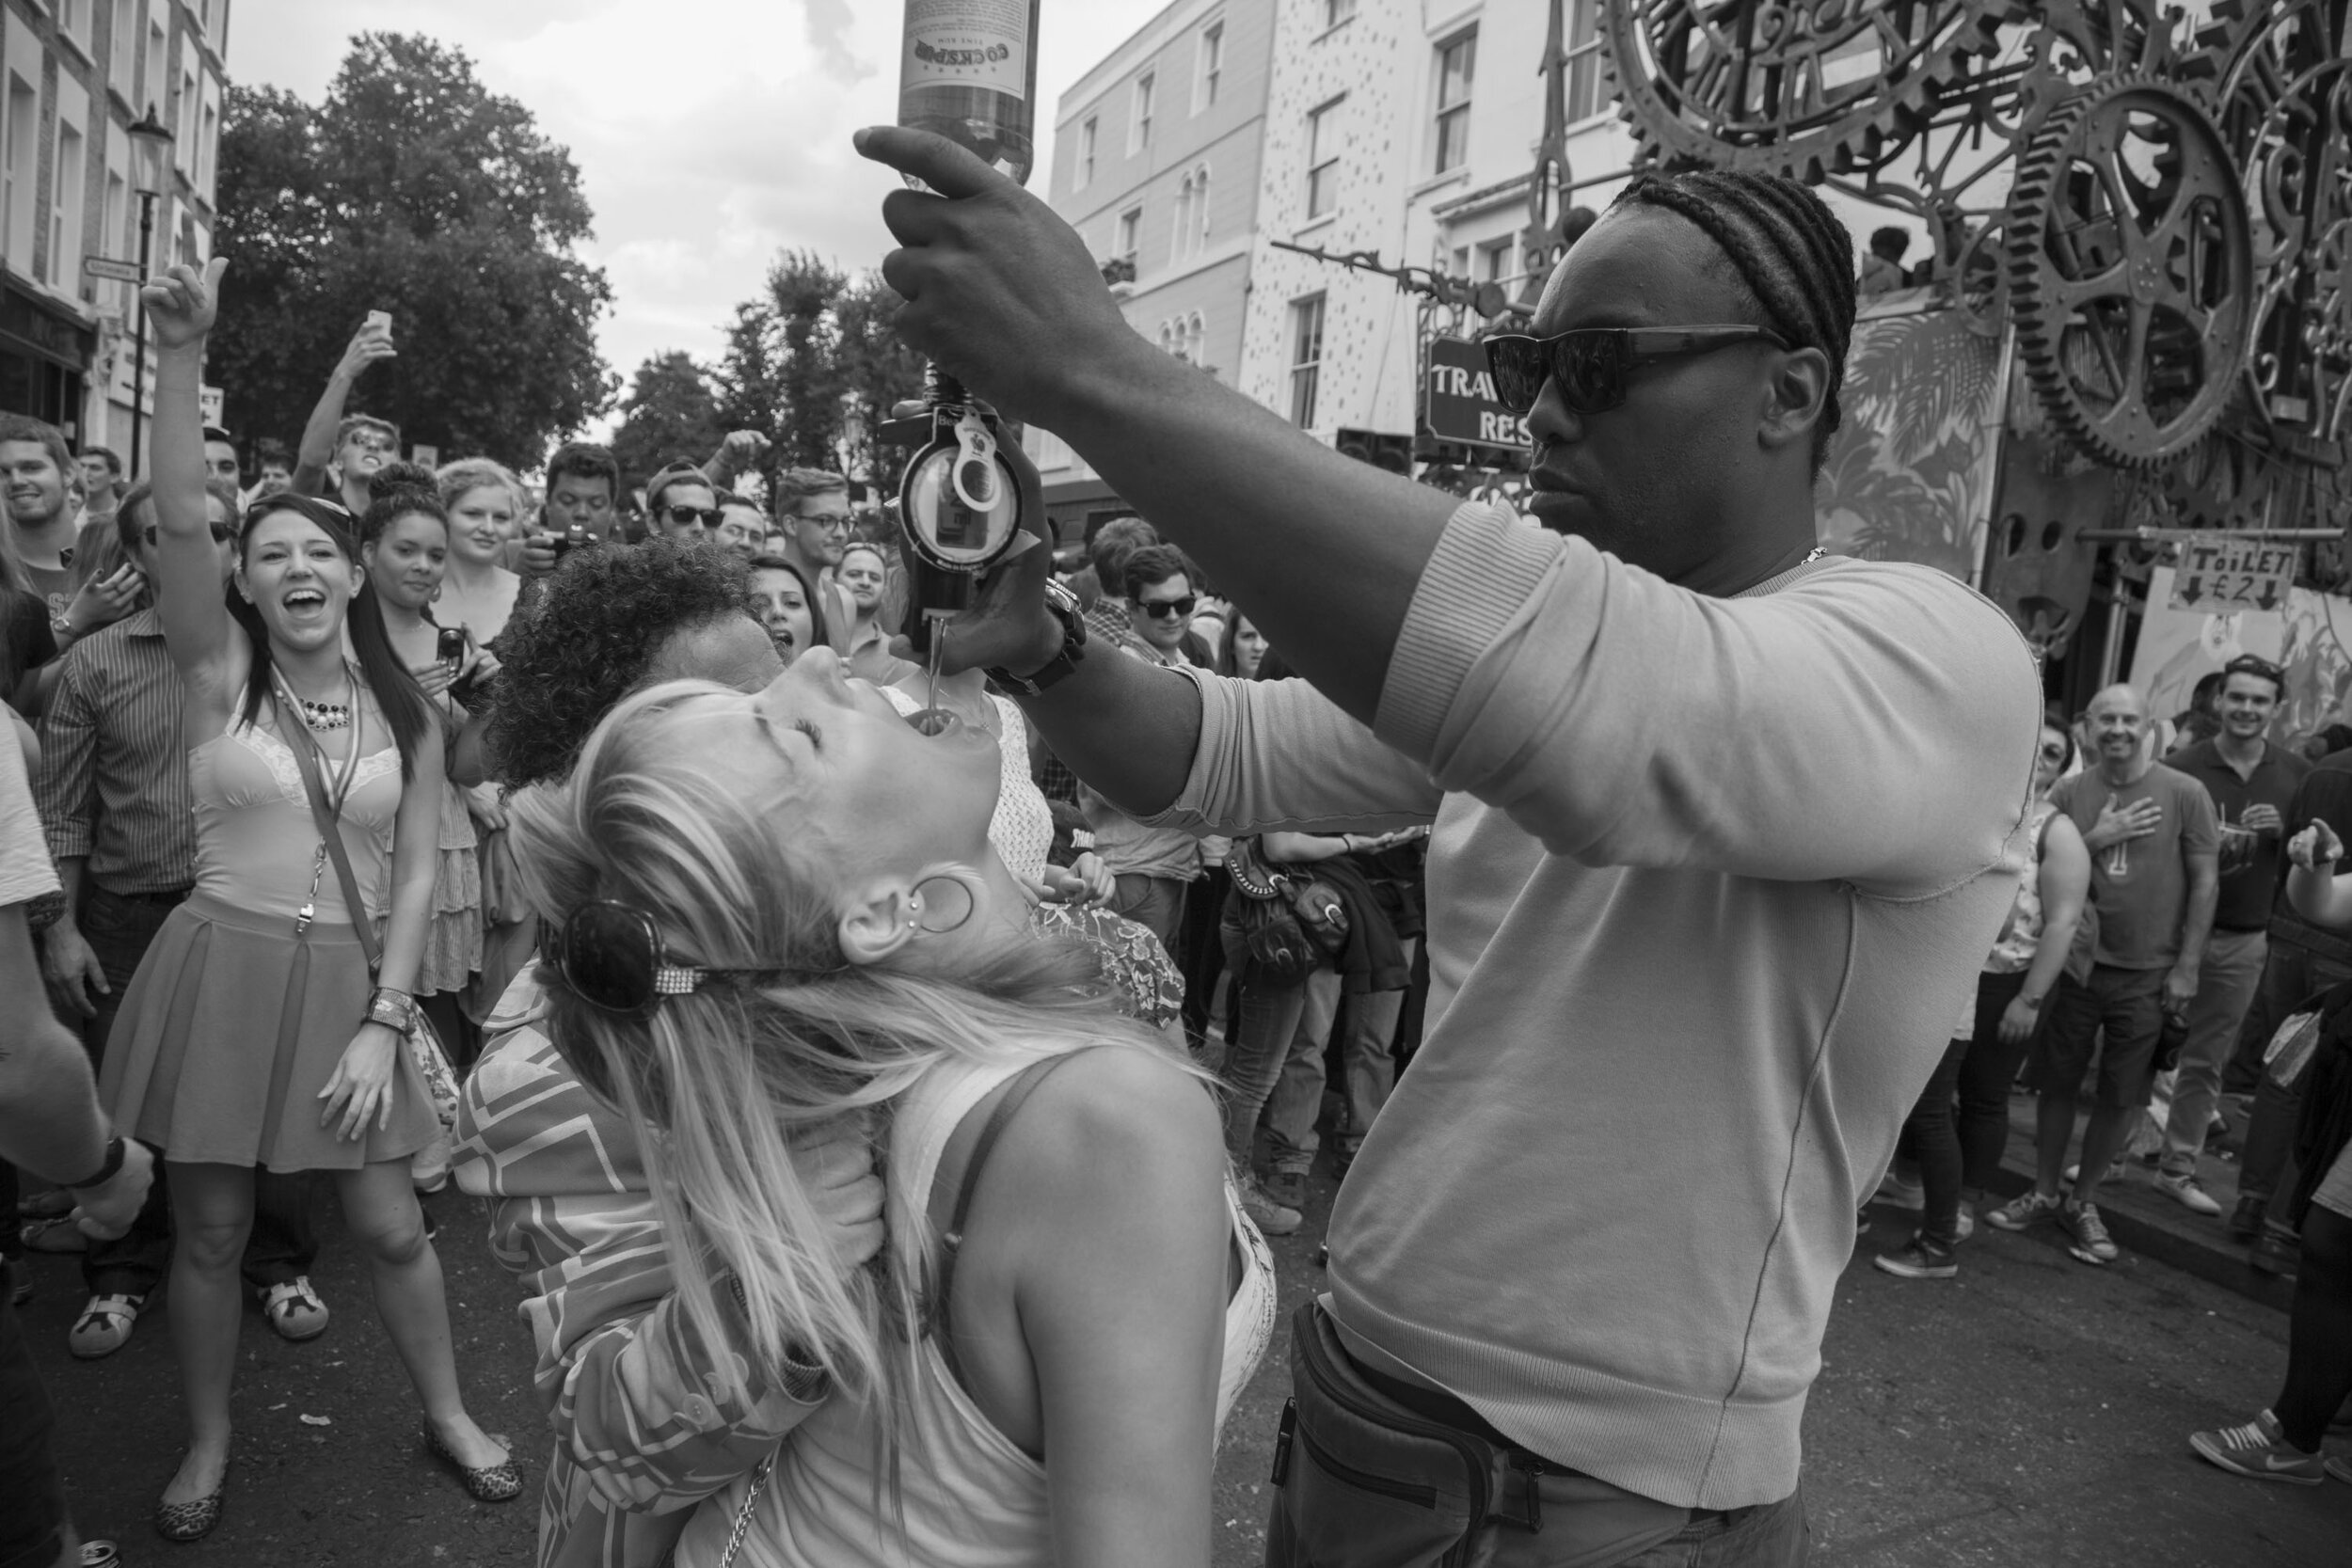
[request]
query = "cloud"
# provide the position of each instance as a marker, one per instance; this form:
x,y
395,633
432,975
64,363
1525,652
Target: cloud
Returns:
x,y
710,134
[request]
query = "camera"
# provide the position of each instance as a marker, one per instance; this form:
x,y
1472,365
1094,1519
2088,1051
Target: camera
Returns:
x,y
449,646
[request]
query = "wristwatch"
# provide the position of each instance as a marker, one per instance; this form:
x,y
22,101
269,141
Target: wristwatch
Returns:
x,y
1064,604
106,1172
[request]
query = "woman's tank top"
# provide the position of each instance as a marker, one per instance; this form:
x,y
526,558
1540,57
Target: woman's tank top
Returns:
x,y
972,1497
255,840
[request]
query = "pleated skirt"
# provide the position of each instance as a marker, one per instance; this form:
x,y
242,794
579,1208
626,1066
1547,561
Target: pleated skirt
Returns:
x,y
229,1030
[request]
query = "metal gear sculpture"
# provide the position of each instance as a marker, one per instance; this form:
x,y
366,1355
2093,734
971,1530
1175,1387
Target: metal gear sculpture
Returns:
x,y
2131,271
1800,89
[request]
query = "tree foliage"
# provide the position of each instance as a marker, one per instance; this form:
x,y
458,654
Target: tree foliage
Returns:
x,y
415,190
814,363
670,413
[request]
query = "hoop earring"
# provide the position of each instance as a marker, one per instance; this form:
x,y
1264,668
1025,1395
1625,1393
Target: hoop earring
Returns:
x,y
939,928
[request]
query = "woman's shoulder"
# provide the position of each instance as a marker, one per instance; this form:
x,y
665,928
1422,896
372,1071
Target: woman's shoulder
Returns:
x,y
1113,1108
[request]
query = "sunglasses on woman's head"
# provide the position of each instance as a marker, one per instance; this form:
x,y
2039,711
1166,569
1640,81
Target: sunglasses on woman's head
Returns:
x,y
2053,753
612,958
1590,365
1160,609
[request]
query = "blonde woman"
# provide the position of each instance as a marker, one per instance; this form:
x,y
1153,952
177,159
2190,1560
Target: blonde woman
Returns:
x,y
1071,1297
484,500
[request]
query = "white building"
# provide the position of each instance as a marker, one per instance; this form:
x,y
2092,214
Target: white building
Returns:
x,y
77,75
1155,162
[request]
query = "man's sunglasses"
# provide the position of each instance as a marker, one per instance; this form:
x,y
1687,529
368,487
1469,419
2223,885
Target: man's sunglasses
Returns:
x,y
1160,609
826,520
612,958
699,517
1591,364
222,534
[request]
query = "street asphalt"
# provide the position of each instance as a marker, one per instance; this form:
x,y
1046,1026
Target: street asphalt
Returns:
x,y
2033,1412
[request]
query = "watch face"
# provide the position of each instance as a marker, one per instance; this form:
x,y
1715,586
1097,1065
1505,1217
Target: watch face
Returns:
x,y
943,529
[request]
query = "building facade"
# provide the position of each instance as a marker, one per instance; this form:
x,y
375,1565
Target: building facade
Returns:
x,y
1156,164
1408,128
77,73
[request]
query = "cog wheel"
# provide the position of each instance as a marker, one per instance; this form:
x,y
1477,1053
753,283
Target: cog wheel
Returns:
x,y
2131,271
1793,89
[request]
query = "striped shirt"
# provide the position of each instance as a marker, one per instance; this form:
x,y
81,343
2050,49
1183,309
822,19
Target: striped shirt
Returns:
x,y
113,768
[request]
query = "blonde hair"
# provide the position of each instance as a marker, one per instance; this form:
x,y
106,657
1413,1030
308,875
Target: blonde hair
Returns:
x,y
720,1081
468,474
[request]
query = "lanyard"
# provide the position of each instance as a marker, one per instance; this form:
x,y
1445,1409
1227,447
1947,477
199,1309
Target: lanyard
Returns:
x,y
338,777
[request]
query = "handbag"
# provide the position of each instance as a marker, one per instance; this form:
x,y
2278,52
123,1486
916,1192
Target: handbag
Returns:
x,y
421,1041
1280,952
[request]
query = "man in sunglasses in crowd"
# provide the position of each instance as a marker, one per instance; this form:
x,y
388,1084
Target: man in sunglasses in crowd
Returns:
x,y
1724,831
2252,784
116,802
681,502
1160,602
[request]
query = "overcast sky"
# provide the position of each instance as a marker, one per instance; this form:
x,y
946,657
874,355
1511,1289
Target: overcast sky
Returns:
x,y
710,134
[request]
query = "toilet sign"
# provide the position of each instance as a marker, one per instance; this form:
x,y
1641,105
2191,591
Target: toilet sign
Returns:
x,y
2221,574
1459,398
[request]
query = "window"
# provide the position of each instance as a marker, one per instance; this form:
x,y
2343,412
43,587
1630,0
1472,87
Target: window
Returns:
x,y
1195,342
1583,60
64,211
1323,158
208,141
1130,226
1306,359
115,237
1086,154
183,117
1457,59
73,20
20,163
1139,129
158,71
1337,12
122,45
1212,65
1192,216
1494,262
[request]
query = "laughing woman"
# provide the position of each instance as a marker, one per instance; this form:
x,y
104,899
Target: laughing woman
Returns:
x,y
252,1034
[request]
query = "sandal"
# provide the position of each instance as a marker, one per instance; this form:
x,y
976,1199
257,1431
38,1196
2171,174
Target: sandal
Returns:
x,y
104,1326
100,1554
295,1311
58,1233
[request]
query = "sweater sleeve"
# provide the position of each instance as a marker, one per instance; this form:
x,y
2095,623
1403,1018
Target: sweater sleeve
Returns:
x,y
1871,722
1280,757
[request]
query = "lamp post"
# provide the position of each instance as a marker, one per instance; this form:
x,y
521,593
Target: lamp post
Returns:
x,y
150,139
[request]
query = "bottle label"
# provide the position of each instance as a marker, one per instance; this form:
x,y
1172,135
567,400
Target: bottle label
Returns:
x,y
967,43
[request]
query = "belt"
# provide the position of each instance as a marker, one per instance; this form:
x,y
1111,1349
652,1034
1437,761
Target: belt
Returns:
x,y
168,895
1437,1405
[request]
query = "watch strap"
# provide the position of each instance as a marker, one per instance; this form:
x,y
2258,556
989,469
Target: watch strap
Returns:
x,y
1074,641
116,1152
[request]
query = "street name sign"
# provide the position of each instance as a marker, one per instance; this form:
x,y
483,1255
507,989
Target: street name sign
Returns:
x,y
1461,400
107,267
2218,576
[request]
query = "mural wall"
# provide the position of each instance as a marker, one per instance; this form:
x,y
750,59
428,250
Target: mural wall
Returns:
x,y
1911,470
2308,636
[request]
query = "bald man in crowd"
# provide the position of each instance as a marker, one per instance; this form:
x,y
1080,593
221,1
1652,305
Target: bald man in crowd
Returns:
x,y
2154,876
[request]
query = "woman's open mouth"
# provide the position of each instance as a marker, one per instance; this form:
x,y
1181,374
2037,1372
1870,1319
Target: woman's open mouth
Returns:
x,y
936,722
304,598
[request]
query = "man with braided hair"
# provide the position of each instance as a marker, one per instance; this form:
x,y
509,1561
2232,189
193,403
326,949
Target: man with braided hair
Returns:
x,y
1723,832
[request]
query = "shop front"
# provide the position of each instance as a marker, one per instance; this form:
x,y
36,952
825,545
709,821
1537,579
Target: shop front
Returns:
x,y
45,352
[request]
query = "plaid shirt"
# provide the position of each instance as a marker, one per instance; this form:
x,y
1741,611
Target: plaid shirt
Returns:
x,y
114,768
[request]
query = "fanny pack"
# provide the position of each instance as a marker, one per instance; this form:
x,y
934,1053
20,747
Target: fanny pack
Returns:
x,y
1365,1482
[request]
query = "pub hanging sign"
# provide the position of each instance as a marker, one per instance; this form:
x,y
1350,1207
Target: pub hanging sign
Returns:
x,y
1459,398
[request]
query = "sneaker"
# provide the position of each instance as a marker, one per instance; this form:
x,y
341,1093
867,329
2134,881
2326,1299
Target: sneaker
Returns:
x,y
1269,1216
2091,1243
1287,1188
2338,1468
1920,1260
2189,1194
1967,1222
294,1309
2116,1167
2022,1211
2246,1220
1896,1192
2260,1451
104,1326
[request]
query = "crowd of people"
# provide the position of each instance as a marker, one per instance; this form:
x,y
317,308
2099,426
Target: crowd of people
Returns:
x,y
880,1077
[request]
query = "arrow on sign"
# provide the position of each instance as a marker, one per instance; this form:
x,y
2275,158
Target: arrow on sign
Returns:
x,y
2270,598
2191,590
